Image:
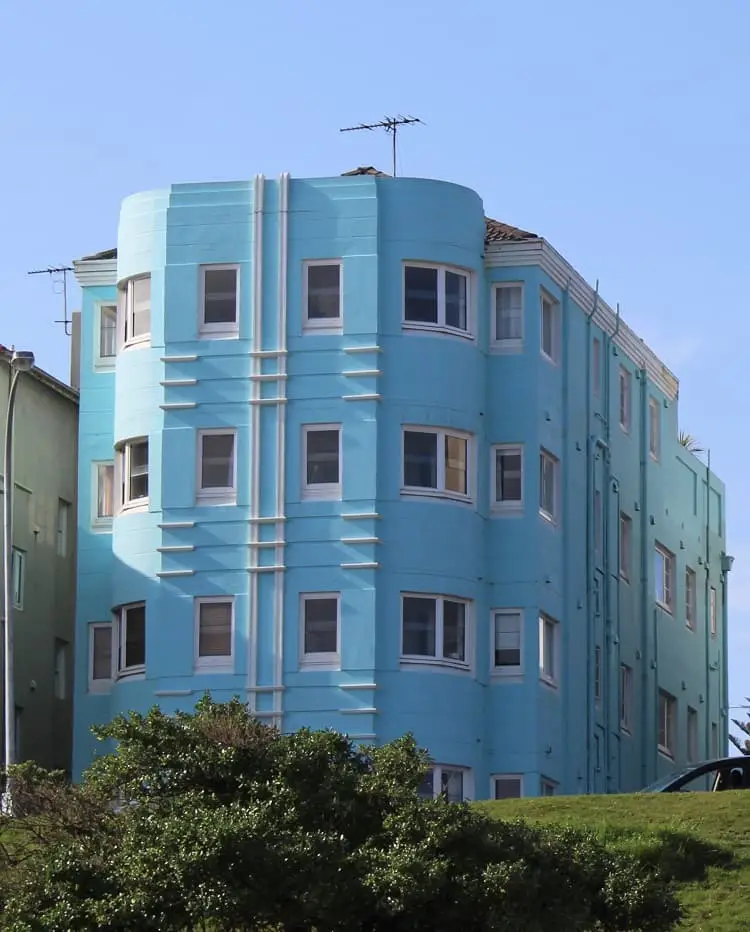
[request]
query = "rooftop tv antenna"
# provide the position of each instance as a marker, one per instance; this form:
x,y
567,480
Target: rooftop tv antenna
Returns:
x,y
390,125
59,270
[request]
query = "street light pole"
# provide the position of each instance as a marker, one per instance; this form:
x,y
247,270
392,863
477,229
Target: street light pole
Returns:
x,y
19,362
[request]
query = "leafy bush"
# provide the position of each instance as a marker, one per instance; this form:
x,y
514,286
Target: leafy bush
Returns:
x,y
222,823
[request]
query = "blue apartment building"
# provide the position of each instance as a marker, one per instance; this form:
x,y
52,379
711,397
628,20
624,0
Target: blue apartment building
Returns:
x,y
371,461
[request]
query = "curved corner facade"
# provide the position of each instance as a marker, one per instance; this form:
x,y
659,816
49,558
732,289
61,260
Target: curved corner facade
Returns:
x,y
369,461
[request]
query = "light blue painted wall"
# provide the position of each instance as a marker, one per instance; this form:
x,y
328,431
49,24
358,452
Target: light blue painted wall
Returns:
x,y
464,718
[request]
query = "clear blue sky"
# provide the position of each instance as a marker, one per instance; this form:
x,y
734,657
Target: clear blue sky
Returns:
x,y
621,132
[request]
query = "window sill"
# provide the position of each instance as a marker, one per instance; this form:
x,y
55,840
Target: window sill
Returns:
x,y
665,752
516,674
506,347
106,364
327,663
136,507
410,492
624,578
138,342
222,497
441,329
664,607
100,687
626,730
625,428
102,526
690,626
510,510
550,359
322,494
435,664
221,333
548,681
224,667
330,326
133,673
548,518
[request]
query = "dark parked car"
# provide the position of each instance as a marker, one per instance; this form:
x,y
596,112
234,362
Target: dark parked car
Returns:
x,y
712,776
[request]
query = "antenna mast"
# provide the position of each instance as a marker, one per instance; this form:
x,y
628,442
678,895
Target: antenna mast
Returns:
x,y
390,125
59,270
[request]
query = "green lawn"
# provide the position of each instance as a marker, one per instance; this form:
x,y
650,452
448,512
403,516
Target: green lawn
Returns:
x,y
701,839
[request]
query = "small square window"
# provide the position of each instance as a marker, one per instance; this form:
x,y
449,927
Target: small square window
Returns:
x,y
320,632
217,467
550,327
626,546
507,478
507,786
100,656
654,428
626,401
220,300
104,494
507,648
549,486
548,649
214,622
664,577
508,318
323,296
321,466
667,723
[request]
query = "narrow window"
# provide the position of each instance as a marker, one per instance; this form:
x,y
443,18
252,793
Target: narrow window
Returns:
x,y
131,624
323,295
548,663
100,656
654,428
134,473
714,740
664,577
508,322
507,479
217,467
690,597
320,629
597,522
667,722
597,673
507,626
626,698
596,366
105,492
107,333
322,461
548,485
136,299
626,546
692,735
220,310
63,519
213,635
18,573
550,327
626,385
712,611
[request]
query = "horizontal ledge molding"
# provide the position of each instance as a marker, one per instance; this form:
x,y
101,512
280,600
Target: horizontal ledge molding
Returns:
x,y
174,525
168,574
362,349
358,685
371,711
177,383
359,566
356,515
266,543
258,714
267,353
363,737
176,548
178,405
267,519
268,377
189,358
353,373
278,400
265,689
174,692
275,568
360,540
369,397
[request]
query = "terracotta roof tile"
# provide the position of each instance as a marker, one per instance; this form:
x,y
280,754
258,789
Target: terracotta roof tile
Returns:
x,y
497,232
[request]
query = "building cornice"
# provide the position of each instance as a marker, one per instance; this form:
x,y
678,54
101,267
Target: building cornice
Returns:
x,y
539,252
95,271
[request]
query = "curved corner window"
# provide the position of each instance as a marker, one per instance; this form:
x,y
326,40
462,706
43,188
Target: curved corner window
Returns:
x,y
130,624
437,463
132,467
435,630
134,309
437,297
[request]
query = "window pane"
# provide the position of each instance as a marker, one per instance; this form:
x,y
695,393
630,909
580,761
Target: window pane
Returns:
x,y
421,294
322,457
105,486
138,470
548,331
217,461
427,787
135,636
215,629
508,476
547,485
141,297
507,788
107,332
455,300
321,626
547,648
102,653
419,627
18,560
455,464
420,459
507,639
220,296
659,576
508,313
454,630
323,292
452,785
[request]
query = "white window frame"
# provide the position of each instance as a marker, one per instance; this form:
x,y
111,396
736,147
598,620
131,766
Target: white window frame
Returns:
x,y
668,747
548,787
509,778
626,698
467,783
329,660
63,527
596,366
712,616
222,329
626,546
550,677
18,573
514,344
102,522
125,310
123,476
654,429
506,672
321,491
318,325
105,362
668,565
224,495
219,664
545,298
439,659
102,684
60,676
440,326
693,755
625,381
554,516
501,506
440,490
120,639
691,598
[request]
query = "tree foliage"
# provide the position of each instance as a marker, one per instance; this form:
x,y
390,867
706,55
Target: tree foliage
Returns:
x,y
742,743
222,823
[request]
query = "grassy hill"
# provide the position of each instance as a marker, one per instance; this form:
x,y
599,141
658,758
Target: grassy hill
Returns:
x,y
702,840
